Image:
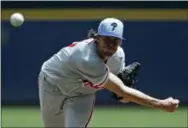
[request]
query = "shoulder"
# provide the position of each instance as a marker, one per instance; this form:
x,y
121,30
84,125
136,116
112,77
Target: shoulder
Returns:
x,y
120,52
86,55
88,40
82,48
84,45
85,42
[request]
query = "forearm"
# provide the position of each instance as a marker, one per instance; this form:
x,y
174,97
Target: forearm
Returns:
x,y
114,84
138,97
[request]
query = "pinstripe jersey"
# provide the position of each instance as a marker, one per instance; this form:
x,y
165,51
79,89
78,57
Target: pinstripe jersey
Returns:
x,y
77,68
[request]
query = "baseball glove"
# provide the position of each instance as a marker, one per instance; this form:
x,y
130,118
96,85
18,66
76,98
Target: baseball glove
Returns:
x,y
128,76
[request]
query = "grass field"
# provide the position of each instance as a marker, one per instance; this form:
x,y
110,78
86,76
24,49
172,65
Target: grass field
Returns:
x,y
102,117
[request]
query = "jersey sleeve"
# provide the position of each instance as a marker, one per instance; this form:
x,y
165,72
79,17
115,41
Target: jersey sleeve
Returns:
x,y
95,73
122,56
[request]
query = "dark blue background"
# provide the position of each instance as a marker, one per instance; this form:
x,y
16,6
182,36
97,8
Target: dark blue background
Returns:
x,y
161,48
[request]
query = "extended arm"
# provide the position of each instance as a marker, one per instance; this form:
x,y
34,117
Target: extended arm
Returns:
x,y
115,85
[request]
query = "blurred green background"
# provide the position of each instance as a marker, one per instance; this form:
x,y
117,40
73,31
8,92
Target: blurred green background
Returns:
x,y
116,116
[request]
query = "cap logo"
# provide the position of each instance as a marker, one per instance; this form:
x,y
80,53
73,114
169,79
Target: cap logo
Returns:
x,y
114,25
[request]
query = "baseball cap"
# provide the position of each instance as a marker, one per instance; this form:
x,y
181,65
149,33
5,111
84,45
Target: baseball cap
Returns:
x,y
111,27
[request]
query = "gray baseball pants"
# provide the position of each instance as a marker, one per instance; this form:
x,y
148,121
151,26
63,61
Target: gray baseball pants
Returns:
x,y
59,110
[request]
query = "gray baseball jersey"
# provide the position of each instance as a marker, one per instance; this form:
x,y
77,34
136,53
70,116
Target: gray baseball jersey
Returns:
x,y
77,69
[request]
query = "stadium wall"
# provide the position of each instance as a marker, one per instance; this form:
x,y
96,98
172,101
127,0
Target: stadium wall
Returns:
x,y
157,38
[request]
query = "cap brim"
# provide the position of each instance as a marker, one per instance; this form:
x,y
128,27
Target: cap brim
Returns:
x,y
122,38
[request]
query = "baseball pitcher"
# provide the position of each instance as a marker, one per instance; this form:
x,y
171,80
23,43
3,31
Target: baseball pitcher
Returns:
x,y
69,80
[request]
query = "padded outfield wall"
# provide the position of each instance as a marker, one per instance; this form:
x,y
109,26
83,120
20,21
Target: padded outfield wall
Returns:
x,y
157,38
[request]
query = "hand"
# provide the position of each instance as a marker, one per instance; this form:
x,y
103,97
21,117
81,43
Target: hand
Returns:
x,y
169,104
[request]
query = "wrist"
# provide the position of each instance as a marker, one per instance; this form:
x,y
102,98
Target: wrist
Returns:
x,y
156,103
159,104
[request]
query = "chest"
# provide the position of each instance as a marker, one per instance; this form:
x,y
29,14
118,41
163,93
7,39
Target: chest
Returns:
x,y
115,63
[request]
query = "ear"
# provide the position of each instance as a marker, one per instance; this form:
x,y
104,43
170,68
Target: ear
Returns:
x,y
97,38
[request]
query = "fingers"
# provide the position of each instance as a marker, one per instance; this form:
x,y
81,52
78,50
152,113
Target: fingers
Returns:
x,y
174,101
